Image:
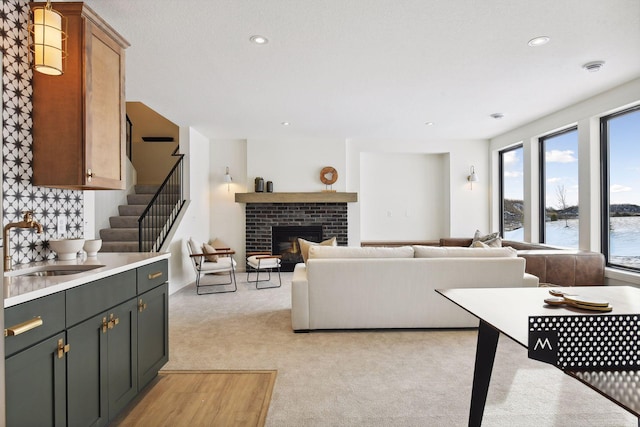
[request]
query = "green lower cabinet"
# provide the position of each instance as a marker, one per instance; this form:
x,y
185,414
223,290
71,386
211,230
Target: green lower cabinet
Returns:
x,y
36,387
153,333
102,365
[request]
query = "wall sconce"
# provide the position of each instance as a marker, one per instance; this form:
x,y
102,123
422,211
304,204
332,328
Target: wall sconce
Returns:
x,y
47,33
228,179
472,177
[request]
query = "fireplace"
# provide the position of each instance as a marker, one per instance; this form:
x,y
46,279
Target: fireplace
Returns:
x,y
284,241
263,218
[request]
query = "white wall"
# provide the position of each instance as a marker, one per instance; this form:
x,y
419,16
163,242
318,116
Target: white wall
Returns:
x,y
402,196
295,165
464,209
196,220
586,116
227,216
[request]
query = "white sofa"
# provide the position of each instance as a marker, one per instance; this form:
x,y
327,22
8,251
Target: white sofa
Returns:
x,y
373,287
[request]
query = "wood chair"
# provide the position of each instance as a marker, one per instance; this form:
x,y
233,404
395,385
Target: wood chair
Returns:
x,y
224,264
263,262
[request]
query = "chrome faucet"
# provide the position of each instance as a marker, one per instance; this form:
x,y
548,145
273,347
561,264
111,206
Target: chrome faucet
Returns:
x,y
27,222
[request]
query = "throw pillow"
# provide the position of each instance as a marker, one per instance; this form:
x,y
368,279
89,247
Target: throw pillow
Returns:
x,y
208,249
305,245
492,240
219,244
479,244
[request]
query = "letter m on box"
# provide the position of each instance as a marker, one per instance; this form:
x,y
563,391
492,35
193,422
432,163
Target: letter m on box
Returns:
x,y
543,346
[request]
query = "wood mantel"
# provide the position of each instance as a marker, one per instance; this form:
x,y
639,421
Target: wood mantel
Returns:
x,y
317,197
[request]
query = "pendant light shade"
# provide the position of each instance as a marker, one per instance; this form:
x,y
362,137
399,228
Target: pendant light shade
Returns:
x,y
47,40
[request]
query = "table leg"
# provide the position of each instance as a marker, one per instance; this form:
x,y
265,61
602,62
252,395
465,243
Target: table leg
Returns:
x,y
485,355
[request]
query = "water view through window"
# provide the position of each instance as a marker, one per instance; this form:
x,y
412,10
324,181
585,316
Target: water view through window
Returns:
x,y
621,147
560,189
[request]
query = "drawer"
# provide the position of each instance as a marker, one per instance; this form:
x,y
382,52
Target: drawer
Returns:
x,y
152,275
92,298
51,310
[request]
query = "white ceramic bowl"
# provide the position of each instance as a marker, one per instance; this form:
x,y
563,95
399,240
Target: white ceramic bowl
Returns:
x,y
91,247
66,249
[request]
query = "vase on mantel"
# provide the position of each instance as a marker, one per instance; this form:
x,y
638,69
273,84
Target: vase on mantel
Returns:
x,y
259,185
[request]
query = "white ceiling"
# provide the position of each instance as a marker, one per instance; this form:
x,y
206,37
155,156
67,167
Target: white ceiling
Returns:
x,y
370,68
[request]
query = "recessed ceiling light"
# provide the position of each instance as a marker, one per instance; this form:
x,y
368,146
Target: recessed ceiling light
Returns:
x,y
593,66
259,39
429,124
497,115
538,41
285,123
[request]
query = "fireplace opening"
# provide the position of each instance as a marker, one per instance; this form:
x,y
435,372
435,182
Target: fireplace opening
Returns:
x,y
284,241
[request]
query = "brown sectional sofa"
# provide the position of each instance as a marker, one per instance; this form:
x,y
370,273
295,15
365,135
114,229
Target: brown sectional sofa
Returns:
x,y
563,267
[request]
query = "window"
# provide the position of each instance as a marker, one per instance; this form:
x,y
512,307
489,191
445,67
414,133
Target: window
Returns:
x,y
512,193
620,133
559,188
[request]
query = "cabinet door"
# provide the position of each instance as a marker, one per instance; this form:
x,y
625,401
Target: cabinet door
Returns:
x,y
153,333
105,132
87,372
36,387
122,356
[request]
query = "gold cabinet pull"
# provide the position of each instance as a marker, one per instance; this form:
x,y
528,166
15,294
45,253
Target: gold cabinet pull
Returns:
x,y
142,306
62,348
89,175
155,275
23,327
105,325
113,321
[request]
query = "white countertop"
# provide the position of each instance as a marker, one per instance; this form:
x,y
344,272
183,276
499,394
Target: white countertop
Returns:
x,y
19,289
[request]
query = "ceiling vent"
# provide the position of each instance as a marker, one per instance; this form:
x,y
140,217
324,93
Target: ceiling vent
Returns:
x,y
593,66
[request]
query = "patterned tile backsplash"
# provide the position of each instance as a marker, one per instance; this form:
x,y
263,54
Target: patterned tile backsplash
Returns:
x,y
18,194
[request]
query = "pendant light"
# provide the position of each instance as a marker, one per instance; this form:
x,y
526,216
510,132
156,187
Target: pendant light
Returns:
x,y
47,39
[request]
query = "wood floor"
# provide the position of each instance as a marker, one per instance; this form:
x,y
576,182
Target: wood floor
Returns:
x,y
202,398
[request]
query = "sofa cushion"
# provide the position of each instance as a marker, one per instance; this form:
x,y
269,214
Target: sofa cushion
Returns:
x,y
306,244
316,252
456,252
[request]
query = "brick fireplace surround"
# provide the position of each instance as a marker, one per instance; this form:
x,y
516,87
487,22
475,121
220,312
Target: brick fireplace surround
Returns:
x,y
260,217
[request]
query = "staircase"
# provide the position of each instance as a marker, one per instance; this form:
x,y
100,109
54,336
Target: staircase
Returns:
x,y
123,234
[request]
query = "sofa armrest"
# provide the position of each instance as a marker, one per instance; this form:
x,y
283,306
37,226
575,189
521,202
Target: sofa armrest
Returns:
x,y
300,298
530,280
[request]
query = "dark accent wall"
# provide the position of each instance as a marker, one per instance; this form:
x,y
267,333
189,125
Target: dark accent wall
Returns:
x,y
260,217
18,193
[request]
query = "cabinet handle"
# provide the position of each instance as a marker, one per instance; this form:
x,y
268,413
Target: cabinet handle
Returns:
x,y
142,306
155,275
23,327
113,321
89,175
62,348
105,325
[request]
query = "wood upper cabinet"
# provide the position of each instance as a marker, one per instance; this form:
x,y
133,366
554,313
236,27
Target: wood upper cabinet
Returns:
x,y
79,117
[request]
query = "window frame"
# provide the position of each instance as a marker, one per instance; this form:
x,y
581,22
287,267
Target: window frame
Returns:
x,y
605,186
542,179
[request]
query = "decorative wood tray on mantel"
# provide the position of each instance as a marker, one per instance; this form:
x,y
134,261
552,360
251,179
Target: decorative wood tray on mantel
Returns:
x,y
317,197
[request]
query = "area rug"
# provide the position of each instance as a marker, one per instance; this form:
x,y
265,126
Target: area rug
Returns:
x,y
202,398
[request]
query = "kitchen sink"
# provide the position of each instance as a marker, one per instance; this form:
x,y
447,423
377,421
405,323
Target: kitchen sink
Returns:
x,y
54,270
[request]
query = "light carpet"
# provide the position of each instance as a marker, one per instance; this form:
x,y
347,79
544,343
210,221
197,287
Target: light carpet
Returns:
x,y
371,378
